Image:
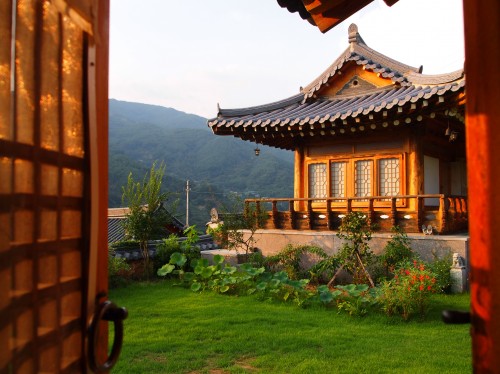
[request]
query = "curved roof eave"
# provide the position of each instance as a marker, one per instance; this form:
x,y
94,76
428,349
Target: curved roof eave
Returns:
x,y
435,79
259,108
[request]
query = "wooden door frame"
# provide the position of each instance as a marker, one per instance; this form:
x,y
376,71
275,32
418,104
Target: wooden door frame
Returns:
x,y
482,38
98,98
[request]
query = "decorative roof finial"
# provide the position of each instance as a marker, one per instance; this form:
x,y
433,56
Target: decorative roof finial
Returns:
x,y
353,33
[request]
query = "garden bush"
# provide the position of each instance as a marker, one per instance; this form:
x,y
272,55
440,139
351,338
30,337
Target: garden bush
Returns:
x,y
171,245
441,267
291,260
118,271
164,250
409,291
397,251
353,299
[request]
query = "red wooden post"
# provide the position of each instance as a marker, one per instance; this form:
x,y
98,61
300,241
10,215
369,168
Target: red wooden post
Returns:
x,y
482,38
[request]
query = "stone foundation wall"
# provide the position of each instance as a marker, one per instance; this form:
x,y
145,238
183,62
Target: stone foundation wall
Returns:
x,y
271,242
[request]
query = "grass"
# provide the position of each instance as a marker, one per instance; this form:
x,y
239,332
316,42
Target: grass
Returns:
x,y
173,330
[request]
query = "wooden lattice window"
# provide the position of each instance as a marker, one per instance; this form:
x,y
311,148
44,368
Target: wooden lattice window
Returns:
x,y
389,177
363,176
338,179
380,175
317,180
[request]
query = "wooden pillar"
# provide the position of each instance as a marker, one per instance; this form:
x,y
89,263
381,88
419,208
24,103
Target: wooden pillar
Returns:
x,y
482,38
298,178
394,213
416,166
275,214
291,205
98,72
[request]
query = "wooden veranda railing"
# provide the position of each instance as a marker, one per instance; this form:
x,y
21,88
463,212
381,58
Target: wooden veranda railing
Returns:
x,y
446,214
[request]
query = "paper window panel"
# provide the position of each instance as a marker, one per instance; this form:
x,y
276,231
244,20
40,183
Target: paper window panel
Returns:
x,y
50,80
338,179
389,177
363,178
317,180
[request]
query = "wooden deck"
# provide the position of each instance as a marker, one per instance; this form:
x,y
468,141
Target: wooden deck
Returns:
x,y
446,214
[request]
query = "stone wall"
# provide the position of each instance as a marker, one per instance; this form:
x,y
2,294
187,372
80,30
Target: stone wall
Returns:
x,y
271,242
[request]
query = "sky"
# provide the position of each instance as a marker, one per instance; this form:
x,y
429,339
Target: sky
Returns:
x,y
193,55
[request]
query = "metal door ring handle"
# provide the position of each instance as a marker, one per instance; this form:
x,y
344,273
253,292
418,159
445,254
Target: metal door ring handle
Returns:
x,y
107,311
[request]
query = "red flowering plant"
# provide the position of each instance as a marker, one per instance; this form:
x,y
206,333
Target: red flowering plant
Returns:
x,y
409,291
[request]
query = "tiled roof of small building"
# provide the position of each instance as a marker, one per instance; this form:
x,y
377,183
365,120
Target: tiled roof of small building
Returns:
x,y
277,123
116,231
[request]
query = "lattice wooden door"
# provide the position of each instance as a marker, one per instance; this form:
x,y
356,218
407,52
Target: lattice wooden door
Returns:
x,y
48,274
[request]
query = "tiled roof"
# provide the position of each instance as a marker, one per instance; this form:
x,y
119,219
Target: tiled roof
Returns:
x,y
116,232
277,123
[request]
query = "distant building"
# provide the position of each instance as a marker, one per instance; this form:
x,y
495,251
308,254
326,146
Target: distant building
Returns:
x,y
369,134
116,233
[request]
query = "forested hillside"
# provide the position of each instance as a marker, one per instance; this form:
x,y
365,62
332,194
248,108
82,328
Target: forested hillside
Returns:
x,y
140,134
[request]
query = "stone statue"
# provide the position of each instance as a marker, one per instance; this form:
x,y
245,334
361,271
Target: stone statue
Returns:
x,y
458,274
458,261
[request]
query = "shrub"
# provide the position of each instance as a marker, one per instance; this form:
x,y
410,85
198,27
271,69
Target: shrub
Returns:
x,y
324,269
164,250
169,246
378,269
353,299
441,268
397,250
124,245
118,270
290,259
409,291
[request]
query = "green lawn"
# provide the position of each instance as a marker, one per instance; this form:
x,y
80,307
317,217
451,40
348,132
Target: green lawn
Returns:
x,y
173,330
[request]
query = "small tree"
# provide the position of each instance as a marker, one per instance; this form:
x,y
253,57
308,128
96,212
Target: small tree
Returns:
x,y
145,220
355,253
229,234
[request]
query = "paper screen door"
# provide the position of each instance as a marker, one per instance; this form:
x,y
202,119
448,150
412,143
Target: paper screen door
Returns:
x,y
53,130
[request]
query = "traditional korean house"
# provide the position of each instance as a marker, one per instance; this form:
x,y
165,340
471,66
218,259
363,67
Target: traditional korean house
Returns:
x,y
370,134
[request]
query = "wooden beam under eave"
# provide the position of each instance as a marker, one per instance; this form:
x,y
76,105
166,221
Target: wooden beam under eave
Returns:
x,y
390,2
334,12
319,6
326,14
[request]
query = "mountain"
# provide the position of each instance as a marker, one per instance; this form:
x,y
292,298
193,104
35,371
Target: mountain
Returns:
x,y
140,134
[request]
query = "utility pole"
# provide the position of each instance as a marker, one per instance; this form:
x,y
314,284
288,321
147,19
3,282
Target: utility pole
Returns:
x,y
187,203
